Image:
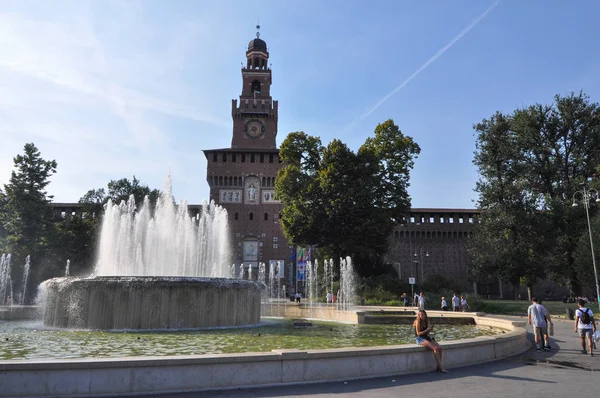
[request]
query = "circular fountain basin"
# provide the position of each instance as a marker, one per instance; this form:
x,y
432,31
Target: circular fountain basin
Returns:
x,y
147,302
29,341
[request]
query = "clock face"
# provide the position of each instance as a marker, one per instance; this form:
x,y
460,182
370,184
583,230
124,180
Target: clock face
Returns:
x,y
254,128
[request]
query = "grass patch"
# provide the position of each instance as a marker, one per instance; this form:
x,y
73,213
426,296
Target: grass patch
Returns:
x,y
519,306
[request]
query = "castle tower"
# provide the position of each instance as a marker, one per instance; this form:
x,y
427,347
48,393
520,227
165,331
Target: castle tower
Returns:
x,y
255,117
242,178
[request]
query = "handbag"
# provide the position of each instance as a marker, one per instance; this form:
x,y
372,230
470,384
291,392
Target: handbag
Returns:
x,y
597,336
550,329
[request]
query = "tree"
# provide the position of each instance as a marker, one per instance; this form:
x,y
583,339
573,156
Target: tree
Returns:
x,y
346,203
78,237
530,163
118,190
583,263
26,216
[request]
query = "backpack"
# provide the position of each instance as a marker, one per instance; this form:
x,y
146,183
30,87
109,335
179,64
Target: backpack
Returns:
x,y
585,317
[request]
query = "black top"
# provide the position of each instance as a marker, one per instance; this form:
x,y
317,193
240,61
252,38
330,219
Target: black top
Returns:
x,y
257,44
424,336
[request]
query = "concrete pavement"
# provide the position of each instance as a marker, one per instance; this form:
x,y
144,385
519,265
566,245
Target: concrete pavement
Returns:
x,y
563,372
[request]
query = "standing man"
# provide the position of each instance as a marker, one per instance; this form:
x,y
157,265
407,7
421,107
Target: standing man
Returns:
x,y
585,325
456,303
421,301
405,299
536,316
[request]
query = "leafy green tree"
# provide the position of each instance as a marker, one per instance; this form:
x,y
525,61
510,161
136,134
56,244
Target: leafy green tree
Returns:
x,y
530,163
26,216
118,190
75,240
79,236
345,203
583,263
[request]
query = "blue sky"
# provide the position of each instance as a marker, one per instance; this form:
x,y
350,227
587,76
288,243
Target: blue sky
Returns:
x,y
112,89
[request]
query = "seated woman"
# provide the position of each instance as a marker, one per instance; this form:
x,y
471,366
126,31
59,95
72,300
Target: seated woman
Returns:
x,y
422,330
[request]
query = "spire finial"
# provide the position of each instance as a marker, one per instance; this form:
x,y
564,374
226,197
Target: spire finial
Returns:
x,y
257,31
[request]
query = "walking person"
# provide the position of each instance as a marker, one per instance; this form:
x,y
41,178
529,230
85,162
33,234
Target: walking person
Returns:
x,y
422,330
549,328
536,316
444,304
463,304
456,303
585,325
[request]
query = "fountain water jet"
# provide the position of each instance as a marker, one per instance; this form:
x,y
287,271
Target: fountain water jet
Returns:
x,y
6,291
158,269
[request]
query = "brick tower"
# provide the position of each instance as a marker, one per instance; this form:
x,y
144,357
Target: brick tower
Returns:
x,y
242,178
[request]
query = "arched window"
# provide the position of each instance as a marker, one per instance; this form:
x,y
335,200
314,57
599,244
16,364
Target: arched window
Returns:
x,y
256,87
236,217
251,216
266,216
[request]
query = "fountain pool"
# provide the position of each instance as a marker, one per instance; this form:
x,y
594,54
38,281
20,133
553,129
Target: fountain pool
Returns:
x,y
30,340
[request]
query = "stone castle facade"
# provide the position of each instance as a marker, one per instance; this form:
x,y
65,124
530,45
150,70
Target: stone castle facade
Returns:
x,y
242,180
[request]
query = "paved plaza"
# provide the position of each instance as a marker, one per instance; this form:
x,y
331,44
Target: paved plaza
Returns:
x,y
563,372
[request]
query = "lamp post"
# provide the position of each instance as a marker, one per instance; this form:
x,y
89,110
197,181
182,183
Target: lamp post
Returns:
x,y
420,255
584,196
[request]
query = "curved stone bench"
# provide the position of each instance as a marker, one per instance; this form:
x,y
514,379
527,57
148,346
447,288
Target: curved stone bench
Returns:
x,y
138,375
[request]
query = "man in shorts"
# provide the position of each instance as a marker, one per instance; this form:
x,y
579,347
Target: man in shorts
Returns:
x,y
536,316
455,303
585,325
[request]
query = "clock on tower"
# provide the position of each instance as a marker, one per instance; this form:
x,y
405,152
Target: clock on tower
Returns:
x,y
254,128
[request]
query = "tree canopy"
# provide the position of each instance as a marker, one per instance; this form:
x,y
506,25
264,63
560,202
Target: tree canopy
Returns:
x,y
345,202
118,190
530,164
25,214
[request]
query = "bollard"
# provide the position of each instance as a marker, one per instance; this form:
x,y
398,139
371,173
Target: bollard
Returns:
x,y
570,313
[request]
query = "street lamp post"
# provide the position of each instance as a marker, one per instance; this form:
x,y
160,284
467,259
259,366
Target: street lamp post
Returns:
x,y
585,197
420,255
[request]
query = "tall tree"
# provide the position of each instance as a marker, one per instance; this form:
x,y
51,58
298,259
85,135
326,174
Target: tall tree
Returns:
x,y
530,163
26,216
79,237
118,190
344,202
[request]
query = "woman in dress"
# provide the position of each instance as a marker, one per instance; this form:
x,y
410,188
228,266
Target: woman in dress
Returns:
x,y
422,330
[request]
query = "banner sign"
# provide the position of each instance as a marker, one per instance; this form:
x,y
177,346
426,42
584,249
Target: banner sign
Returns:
x,y
301,258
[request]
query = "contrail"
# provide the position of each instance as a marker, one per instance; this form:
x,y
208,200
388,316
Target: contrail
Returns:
x,y
426,64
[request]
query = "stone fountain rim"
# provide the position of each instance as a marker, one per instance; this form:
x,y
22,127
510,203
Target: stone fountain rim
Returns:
x,y
132,376
146,281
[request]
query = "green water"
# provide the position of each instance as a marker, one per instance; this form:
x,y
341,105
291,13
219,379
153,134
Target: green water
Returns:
x,y
28,340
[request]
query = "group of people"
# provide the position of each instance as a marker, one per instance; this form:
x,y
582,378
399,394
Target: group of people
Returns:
x,y
458,304
331,298
540,320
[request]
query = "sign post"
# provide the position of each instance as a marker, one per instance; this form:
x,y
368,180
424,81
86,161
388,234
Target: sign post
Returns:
x,y
412,284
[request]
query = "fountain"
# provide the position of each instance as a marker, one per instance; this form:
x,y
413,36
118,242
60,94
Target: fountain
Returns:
x,y
6,292
156,269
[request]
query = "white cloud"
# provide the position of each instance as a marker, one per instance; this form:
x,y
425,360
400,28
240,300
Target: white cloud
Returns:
x,y
91,105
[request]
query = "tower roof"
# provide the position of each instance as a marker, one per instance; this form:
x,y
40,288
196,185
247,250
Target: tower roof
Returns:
x,y
257,44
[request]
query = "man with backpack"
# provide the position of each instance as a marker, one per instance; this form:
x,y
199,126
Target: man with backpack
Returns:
x,y
585,325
